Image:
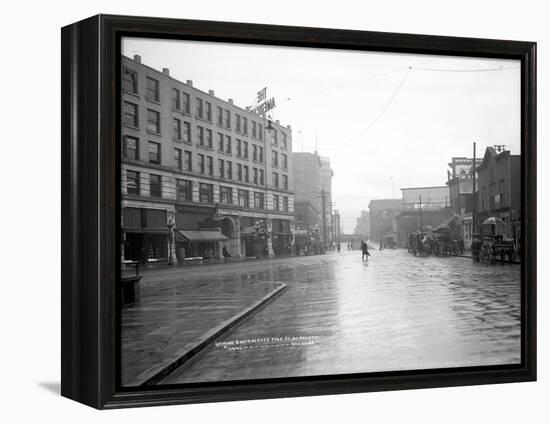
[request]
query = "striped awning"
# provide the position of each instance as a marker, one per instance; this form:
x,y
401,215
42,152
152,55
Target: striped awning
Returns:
x,y
199,236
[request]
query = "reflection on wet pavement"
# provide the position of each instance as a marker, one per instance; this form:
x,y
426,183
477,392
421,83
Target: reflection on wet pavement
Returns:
x,y
340,315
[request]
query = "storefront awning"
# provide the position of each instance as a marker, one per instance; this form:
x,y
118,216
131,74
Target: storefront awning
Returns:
x,y
251,231
147,230
199,236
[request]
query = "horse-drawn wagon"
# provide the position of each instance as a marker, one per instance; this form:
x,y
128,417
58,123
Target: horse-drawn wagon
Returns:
x,y
494,245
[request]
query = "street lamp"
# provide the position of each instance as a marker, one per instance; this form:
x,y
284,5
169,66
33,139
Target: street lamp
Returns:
x,y
257,227
170,226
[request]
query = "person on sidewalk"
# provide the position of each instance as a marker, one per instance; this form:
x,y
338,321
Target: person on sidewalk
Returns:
x,y
225,252
364,251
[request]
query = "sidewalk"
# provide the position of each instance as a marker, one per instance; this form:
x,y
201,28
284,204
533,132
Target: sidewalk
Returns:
x,y
174,321
468,254
215,261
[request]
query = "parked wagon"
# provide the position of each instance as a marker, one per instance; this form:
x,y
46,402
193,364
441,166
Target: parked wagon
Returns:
x,y
495,248
419,244
389,242
494,245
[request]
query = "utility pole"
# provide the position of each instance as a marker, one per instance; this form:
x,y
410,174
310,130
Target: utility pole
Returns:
x,y
420,203
474,195
316,142
324,216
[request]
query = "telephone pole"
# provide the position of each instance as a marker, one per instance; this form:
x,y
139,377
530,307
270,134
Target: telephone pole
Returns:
x,y
420,204
324,215
474,195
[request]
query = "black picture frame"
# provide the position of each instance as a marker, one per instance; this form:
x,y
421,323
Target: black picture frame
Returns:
x,y
91,216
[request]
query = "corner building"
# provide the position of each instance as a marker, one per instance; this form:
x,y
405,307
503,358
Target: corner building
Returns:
x,y
200,176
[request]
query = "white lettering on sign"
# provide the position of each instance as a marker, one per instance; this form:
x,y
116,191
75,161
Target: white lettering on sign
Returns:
x,y
263,104
262,94
265,107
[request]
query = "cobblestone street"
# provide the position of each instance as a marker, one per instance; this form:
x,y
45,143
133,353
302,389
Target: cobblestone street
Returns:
x,y
340,315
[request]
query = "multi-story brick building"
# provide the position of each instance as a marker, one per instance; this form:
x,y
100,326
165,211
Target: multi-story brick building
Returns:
x,y
200,175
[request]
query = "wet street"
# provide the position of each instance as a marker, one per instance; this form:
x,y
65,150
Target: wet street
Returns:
x,y
340,315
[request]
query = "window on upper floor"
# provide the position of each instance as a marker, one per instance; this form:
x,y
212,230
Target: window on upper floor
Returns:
x,y
131,114
229,170
153,121
228,119
200,110
210,165
129,80
243,197
187,132
132,182
227,144
221,168
152,92
226,195
184,190
209,138
200,135
176,126
131,148
206,193
188,161
258,200
208,107
178,158
176,99
186,106
237,122
155,185
154,152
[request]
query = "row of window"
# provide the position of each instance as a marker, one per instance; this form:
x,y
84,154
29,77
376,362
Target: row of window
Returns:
x,y
496,199
131,117
181,131
181,101
184,192
205,164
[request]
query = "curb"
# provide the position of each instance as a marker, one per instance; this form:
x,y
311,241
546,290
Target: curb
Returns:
x,y
157,373
470,257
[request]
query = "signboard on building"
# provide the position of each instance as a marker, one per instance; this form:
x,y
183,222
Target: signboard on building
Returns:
x,y
263,104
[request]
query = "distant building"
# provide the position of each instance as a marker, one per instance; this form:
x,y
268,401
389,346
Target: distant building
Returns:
x,y
336,226
382,217
499,190
326,185
423,208
435,197
311,181
306,215
460,182
362,226
351,240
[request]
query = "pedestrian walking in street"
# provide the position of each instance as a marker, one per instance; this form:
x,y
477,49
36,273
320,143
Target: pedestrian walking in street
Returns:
x,y
364,251
338,247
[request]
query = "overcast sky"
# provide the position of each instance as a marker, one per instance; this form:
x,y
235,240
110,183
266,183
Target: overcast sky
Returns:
x,y
375,115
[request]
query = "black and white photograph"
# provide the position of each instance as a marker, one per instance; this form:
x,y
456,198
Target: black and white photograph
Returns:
x,y
299,212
